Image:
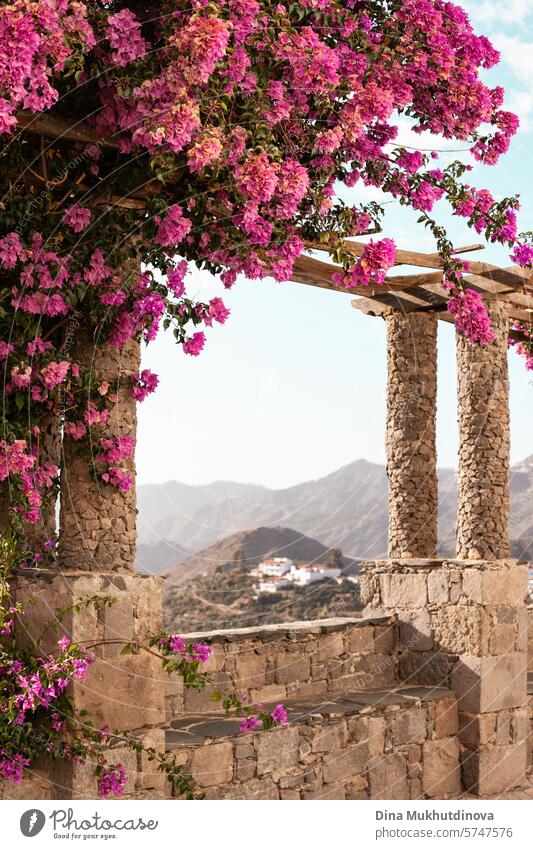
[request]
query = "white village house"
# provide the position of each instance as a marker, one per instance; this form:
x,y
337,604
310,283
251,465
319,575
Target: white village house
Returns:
x,y
274,567
303,574
273,585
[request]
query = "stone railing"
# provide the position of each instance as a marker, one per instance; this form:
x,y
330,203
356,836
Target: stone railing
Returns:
x,y
396,743
293,660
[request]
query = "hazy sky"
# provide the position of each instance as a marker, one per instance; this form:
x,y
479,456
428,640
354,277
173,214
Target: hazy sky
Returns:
x,y
293,385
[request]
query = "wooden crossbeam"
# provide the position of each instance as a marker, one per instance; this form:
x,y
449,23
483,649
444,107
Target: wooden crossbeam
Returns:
x,y
513,277
416,258
409,292
316,272
420,292
432,298
53,127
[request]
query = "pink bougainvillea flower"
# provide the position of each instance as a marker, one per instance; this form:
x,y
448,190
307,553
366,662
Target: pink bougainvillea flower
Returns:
x,y
112,780
249,724
54,373
279,715
194,344
77,217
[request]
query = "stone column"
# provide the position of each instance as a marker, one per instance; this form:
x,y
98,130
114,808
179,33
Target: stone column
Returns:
x,y
96,559
98,521
483,406
463,621
411,451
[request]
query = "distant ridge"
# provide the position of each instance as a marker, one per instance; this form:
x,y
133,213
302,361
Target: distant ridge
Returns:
x,y
346,509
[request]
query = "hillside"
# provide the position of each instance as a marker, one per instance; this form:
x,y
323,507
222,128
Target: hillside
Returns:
x,y
226,599
347,509
255,544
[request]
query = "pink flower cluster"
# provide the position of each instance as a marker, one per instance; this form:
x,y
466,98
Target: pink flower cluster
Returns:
x,y
112,780
143,384
471,316
174,227
36,39
29,481
77,217
523,255
194,344
124,34
254,722
372,266
29,691
189,651
112,452
12,766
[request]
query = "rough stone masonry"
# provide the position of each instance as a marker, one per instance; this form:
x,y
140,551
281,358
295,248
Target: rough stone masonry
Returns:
x,y
411,449
462,622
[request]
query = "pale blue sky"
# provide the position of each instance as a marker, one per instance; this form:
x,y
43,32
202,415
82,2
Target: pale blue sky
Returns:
x,y
293,385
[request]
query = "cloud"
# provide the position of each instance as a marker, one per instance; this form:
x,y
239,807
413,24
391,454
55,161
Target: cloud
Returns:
x,y
517,55
511,13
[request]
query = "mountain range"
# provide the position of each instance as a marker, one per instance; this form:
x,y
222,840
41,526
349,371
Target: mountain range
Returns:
x,y
346,509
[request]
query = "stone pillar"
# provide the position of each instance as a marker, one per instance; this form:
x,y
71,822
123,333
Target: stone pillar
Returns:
x,y
483,405
463,625
98,521
411,451
96,558
123,692
463,622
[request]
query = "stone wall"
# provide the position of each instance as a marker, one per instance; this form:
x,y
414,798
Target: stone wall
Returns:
x,y
123,692
298,659
463,624
371,702
375,745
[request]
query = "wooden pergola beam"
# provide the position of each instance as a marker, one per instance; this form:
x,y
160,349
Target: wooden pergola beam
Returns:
x,y
44,124
513,277
416,258
422,292
409,292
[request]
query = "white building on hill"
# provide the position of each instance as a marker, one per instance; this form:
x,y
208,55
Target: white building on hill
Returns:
x,y
273,585
275,567
303,574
